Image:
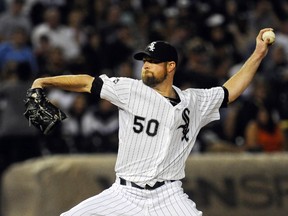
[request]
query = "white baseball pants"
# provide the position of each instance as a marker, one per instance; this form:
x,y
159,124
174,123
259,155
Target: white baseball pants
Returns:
x,y
167,200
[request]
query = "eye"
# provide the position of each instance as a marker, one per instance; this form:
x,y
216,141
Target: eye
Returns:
x,y
152,61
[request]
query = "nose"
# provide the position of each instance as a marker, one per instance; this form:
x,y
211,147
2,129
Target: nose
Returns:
x,y
146,65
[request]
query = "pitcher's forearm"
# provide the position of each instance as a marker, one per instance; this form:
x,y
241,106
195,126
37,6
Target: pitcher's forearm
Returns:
x,y
76,83
241,80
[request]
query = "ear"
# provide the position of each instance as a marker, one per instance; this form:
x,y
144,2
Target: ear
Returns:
x,y
171,65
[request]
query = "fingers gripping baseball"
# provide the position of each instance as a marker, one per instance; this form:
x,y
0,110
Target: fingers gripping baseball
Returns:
x,y
269,36
262,42
40,112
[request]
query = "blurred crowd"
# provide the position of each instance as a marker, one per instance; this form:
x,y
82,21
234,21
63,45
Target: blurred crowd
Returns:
x,y
41,38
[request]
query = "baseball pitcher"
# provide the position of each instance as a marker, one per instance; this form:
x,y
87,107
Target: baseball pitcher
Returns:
x,y
158,126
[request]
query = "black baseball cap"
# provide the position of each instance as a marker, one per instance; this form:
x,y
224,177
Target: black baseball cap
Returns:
x,y
158,50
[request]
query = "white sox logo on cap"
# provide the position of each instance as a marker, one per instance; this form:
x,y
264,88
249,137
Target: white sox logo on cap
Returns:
x,y
158,50
151,46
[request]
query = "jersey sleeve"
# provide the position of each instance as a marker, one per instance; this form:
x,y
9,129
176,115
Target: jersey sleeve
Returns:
x,y
209,102
116,90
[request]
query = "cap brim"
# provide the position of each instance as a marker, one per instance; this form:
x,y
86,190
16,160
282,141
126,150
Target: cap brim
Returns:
x,y
141,55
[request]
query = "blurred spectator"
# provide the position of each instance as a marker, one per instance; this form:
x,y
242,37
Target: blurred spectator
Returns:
x,y
225,52
36,8
125,69
281,8
96,9
264,134
142,24
76,25
13,19
18,50
85,7
121,47
282,35
177,29
72,127
63,99
276,71
244,110
2,6
18,141
237,25
79,32
42,53
100,127
56,142
262,15
197,69
55,63
108,25
278,65
94,54
211,139
59,35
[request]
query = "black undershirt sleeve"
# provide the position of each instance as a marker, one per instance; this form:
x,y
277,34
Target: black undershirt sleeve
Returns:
x,y
96,87
226,98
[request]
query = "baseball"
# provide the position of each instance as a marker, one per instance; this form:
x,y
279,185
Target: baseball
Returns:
x,y
269,35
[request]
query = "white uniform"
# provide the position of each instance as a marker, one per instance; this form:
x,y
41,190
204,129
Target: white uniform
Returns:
x,y
155,139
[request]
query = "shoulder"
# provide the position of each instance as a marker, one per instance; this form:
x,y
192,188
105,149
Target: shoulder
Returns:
x,y
210,97
118,80
203,92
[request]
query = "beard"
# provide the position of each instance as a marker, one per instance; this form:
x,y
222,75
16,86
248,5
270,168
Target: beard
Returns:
x,y
149,79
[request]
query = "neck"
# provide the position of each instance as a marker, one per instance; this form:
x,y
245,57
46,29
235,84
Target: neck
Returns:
x,y
166,90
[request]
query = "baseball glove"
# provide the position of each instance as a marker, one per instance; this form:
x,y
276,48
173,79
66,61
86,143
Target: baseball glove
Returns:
x,y
40,112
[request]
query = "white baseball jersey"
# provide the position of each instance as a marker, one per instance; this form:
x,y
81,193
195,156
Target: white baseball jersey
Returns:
x,y
155,137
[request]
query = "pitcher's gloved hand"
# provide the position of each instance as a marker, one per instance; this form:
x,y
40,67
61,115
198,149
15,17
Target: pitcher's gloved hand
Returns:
x,y
41,112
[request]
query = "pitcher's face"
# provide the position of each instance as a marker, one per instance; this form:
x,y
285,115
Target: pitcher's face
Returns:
x,y
153,72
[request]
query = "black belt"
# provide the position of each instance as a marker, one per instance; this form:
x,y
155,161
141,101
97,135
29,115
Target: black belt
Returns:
x,y
147,187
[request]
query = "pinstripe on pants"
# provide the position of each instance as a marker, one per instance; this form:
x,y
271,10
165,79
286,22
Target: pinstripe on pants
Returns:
x,y
167,200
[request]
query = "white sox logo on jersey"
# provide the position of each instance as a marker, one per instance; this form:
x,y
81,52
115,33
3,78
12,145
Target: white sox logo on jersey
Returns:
x,y
116,80
185,126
